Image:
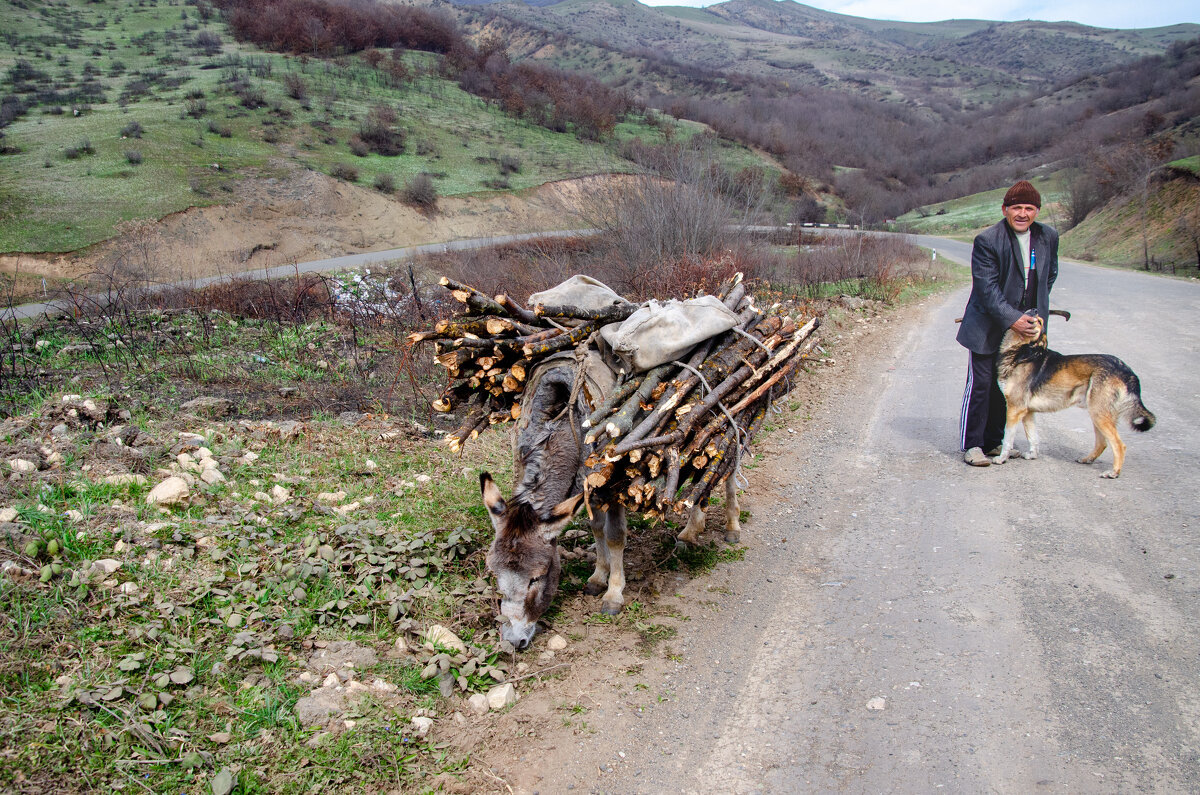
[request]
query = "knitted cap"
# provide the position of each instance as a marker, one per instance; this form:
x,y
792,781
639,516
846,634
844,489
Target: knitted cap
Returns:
x,y
1023,193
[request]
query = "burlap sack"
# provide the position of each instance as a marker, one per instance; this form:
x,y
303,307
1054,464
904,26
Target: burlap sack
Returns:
x,y
581,291
659,333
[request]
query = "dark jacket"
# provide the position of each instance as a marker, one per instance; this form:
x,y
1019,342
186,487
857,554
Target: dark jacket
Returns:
x,y
997,283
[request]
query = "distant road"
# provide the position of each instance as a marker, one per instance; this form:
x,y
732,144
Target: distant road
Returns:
x,y
952,249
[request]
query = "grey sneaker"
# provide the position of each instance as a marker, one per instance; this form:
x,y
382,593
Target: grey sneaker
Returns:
x,y
976,458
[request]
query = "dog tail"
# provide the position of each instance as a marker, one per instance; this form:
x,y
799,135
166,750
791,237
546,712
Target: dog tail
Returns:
x,y
1140,417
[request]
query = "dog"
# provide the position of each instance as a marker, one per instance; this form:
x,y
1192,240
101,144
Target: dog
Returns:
x,y
1036,379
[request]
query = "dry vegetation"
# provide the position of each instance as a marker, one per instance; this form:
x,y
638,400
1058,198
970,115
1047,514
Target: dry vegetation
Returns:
x,y
188,645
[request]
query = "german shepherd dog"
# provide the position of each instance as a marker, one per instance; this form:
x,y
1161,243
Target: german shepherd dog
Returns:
x,y
1035,379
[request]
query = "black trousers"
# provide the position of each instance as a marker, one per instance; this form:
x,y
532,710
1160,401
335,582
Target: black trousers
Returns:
x,y
983,408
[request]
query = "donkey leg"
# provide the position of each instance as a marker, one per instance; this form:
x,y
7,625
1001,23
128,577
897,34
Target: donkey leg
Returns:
x,y
690,534
733,513
599,579
614,538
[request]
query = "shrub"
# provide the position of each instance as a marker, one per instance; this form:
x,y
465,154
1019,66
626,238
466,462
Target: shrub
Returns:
x,y
379,132
421,192
133,156
296,87
196,108
385,183
510,164
132,130
344,171
223,130
358,147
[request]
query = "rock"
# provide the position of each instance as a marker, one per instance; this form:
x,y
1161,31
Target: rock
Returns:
x,y
370,465
8,514
107,566
22,465
556,643
249,457
203,453
121,547
422,478
308,678
383,686
333,680
502,696
208,406
336,654
348,508
212,476
280,495
171,491
318,708
128,588
126,479
60,430
421,726
444,637
877,704
72,515
478,704
331,496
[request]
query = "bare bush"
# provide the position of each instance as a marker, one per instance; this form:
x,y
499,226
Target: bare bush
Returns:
x,y
344,171
687,211
421,192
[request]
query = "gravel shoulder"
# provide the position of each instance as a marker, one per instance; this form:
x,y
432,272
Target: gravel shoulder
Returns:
x,y
902,622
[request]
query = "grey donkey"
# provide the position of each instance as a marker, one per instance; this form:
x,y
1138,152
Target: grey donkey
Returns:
x,y
548,457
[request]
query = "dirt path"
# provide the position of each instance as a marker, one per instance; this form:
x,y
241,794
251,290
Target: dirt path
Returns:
x,y
902,622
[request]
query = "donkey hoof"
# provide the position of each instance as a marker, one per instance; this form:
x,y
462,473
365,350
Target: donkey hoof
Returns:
x,y
594,588
733,538
684,545
610,608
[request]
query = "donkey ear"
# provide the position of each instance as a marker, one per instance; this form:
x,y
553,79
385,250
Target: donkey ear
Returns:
x,y
491,496
560,516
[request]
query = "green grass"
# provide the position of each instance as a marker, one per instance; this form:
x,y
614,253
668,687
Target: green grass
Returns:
x,y
54,203
977,211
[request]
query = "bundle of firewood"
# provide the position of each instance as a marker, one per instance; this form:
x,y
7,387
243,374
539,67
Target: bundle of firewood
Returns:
x,y
664,438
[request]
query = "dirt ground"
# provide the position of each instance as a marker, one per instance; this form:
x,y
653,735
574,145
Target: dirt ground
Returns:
x,y
304,215
610,675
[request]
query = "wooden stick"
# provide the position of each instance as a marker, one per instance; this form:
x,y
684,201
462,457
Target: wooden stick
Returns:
x,y
608,314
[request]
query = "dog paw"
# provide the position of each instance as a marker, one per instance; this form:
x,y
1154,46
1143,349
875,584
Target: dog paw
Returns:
x,y
1000,459
1111,475
1030,456
1084,460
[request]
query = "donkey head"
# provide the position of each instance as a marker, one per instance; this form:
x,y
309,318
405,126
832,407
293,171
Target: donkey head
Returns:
x,y
524,558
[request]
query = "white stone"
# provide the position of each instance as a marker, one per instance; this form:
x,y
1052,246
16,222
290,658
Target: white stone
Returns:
x,y
383,686
422,478
348,508
22,465
203,452
107,565
212,475
478,704
308,678
120,547
421,726
280,495
331,681
556,643
370,465
249,457
502,696
8,514
74,515
331,496
128,588
876,704
444,637
171,491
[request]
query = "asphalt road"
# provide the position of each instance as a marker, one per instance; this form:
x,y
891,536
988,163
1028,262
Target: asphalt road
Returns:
x,y
931,627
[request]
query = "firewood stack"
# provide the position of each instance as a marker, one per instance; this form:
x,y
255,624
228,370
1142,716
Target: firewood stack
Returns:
x,y
664,438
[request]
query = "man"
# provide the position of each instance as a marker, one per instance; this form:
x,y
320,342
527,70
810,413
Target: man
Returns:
x,y
1013,266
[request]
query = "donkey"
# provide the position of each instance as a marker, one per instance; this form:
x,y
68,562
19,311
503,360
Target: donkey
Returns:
x,y
548,457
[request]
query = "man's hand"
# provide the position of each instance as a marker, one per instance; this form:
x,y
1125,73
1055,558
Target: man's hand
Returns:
x,y
1026,326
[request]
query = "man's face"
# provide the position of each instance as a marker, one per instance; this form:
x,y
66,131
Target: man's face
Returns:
x,y
1020,216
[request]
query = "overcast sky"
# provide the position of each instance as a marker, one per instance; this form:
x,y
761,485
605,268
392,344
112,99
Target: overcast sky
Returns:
x,y
1099,13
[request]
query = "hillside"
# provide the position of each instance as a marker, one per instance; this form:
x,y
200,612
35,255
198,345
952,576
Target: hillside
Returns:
x,y
977,61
